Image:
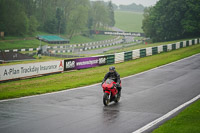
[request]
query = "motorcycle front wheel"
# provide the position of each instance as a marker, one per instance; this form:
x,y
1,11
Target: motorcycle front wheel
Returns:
x,y
118,98
106,99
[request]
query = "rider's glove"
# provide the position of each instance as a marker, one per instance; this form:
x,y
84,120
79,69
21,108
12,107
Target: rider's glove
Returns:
x,y
118,85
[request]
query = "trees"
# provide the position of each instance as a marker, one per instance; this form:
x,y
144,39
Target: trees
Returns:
x,y
33,25
78,20
169,20
111,14
13,18
191,19
99,14
102,14
22,17
132,7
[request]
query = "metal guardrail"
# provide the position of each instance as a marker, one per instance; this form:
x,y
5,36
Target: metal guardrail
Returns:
x,y
57,66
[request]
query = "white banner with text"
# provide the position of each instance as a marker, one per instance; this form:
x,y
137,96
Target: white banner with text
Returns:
x,y
27,70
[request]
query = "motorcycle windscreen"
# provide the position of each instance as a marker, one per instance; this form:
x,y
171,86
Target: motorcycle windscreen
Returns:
x,y
109,81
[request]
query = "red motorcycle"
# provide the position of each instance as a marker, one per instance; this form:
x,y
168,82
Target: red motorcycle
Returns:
x,y
110,92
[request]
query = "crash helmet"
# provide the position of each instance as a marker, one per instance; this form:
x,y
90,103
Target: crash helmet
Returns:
x,y
112,69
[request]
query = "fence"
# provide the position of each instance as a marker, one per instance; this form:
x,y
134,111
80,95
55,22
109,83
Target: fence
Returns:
x,y
140,53
70,48
24,70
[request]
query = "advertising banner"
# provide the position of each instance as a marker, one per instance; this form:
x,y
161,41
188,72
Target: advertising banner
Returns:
x,y
117,33
82,63
26,70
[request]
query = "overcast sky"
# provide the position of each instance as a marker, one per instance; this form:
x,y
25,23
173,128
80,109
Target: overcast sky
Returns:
x,y
127,2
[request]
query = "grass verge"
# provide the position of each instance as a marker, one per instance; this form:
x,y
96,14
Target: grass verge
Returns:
x,y
94,38
19,42
187,121
90,76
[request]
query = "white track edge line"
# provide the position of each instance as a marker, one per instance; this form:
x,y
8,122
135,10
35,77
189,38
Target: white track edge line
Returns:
x,y
72,89
153,123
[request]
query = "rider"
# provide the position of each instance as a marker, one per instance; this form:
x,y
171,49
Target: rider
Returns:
x,y
112,74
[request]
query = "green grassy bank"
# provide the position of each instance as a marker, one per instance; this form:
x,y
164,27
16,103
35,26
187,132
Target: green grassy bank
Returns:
x,y
188,121
74,79
32,42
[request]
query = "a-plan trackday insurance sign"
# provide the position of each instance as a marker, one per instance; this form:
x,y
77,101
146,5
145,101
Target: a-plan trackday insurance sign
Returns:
x,y
26,70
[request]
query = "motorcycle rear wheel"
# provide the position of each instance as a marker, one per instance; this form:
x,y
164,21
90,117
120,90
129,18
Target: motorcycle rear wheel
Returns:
x,y
106,99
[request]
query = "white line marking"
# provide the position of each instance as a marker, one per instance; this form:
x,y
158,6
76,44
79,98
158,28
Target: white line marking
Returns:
x,y
72,89
153,123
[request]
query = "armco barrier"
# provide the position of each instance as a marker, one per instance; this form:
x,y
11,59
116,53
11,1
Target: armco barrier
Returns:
x,y
169,47
173,46
119,57
110,59
142,53
187,43
86,47
184,43
42,68
155,50
128,56
190,42
177,45
165,48
148,51
193,42
21,50
160,49
181,44
66,46
136,54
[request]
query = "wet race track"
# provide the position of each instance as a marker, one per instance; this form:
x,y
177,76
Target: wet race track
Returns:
x,y
145,97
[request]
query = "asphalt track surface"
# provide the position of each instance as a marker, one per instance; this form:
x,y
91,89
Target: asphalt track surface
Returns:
x,y
145,97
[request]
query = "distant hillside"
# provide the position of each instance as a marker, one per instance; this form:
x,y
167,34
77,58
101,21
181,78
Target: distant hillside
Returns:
x,y
132,7
129,21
